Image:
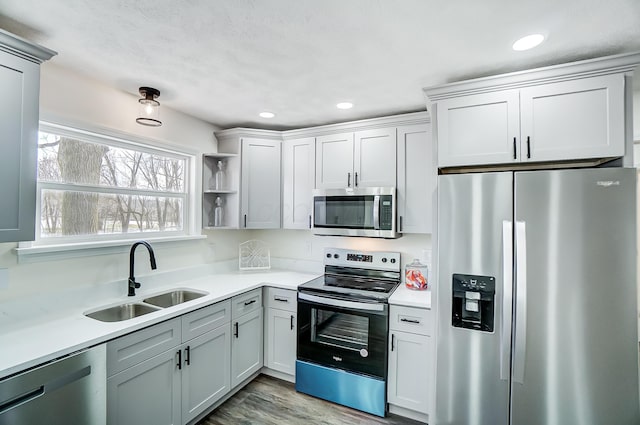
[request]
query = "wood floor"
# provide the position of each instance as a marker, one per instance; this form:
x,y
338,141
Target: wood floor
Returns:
x,y
270,401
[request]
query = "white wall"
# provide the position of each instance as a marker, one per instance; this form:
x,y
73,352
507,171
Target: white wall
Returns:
x,y
73,99
302,245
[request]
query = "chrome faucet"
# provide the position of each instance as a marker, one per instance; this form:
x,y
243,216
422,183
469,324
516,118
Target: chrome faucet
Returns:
x,y
132,280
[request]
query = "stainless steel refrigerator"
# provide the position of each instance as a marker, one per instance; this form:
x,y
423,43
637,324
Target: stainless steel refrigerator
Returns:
x,y
537,315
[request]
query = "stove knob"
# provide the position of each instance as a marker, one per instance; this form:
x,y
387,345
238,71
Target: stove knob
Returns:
x,y
384,259
336,256
328,255
393,260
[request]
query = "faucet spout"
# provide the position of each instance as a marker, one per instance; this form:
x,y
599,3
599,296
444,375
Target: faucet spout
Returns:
x,y
132,284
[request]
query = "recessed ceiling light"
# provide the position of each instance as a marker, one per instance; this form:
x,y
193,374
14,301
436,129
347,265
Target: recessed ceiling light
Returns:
x,y
528,42
344,105
267,114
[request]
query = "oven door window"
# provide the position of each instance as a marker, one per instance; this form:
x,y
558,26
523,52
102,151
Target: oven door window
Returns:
x,y
339,329
348,212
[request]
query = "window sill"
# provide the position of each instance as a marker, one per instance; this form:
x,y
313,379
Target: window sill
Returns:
x,y
86,249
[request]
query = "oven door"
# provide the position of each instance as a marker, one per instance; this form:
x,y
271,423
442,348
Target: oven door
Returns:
x,y
343,334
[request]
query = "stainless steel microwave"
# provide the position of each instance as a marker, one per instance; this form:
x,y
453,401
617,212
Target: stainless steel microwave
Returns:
x,y
369,212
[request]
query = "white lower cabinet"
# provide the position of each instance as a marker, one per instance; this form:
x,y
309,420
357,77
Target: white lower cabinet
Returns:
x,y
410,378
246,342
280,330
171,372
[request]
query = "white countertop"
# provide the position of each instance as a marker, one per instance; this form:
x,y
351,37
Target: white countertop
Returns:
x,y
39,329
410,297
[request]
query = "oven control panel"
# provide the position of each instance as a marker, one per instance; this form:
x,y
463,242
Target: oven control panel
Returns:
x,y
377,260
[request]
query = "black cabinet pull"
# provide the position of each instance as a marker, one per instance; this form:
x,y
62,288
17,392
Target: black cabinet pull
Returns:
x,y
410,321
284,300
249,302
348,179
235,333
187,359
309,222
400,218
245,220
292,321
528,147
179,364
514,149
392,341
356,179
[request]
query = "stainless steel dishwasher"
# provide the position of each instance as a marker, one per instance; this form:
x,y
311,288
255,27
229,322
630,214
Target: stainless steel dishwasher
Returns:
x,y
71,390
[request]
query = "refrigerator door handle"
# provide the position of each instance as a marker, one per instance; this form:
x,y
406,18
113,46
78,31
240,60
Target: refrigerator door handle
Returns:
x,y
520,345
507,298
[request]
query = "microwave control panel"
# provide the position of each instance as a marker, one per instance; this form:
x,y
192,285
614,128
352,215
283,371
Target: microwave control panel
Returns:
x,y
386,212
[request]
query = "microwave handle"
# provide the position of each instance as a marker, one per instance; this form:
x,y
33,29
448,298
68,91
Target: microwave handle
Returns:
x,y
376,212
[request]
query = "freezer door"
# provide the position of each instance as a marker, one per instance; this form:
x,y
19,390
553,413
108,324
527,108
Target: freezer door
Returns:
x,y
575,342
474,238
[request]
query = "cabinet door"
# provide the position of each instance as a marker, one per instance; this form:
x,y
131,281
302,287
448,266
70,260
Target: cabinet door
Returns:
x,y
478,129
410,371
281,340
375,158
260,184
334,161
246,346
20,87
298,180
205,373
146,394
573,119
416,179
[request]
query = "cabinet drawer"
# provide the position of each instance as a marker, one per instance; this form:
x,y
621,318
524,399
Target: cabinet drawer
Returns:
x,y
206,319
246,303
409,319
137,347
282,299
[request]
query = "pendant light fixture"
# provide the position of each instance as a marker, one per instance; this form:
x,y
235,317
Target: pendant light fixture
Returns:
x,y
149,110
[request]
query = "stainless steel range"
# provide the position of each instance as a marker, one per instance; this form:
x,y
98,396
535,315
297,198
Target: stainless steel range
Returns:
x,y
343,320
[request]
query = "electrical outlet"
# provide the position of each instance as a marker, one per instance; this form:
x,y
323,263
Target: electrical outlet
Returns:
x,y
426,256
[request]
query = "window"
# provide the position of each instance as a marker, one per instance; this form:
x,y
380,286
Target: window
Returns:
x,y
93,187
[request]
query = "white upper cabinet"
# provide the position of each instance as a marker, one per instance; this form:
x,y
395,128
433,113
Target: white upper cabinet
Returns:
x,y
417,174
573,119
566,112
260,183
19,103
298,181
250,196
478,129
361,159
334,161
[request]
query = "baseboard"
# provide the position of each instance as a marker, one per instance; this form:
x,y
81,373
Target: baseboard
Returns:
x,y
407,413
279,375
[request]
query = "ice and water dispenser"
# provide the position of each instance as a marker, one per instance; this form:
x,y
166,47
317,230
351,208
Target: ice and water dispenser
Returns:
x,y
473,302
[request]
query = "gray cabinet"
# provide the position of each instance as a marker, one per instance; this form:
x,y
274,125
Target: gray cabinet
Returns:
x,y
280,330
411,363
246,341
20,87
575,111
171,372
417,173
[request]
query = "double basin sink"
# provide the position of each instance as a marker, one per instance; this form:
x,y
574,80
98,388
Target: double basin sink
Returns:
x,y
148,305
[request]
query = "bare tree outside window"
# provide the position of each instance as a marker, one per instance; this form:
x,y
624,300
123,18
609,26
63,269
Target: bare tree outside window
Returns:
x,y
89,188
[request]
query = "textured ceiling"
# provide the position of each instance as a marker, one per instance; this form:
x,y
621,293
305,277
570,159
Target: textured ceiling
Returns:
x,y
224,61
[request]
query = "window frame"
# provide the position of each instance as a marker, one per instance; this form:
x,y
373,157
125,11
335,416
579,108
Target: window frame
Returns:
x,y
191,226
